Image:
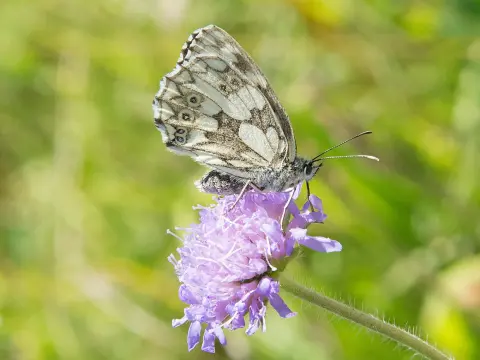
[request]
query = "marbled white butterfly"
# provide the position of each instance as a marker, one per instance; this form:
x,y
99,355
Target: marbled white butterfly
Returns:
x,y
217,107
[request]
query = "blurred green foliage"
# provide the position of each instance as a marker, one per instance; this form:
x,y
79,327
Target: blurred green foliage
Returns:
x,y
87,189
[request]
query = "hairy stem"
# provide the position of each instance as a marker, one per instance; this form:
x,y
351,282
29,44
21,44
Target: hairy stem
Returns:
x,y
369,321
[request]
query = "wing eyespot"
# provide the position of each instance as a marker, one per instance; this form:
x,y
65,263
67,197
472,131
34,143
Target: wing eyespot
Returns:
x,y
186,115
180,136
194,100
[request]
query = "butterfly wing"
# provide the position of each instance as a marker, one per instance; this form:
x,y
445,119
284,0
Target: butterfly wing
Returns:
x,y
217,107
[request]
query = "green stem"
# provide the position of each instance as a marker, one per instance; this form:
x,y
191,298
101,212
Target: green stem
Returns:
x,y
369,321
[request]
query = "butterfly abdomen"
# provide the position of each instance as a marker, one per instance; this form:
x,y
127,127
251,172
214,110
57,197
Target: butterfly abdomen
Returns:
x,y
216,182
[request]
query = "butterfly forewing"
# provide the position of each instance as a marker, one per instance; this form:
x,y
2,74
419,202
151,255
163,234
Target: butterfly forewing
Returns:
x,y
217,107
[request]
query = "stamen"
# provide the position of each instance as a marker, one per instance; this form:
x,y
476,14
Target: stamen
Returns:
x,y
175,235
268,262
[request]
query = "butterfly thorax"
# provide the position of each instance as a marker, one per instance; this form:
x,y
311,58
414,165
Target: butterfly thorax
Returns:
x,y
267,179
285,177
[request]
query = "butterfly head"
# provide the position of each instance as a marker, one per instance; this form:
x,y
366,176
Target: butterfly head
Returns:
x,y
310,168
287,177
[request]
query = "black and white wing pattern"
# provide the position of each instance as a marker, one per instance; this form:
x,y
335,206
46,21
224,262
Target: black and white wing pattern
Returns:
x,y
217,107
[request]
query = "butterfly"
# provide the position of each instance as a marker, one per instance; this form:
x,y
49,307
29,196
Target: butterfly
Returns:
x,y
217,107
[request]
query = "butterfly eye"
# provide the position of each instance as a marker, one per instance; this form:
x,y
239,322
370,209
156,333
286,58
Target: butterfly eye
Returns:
x,y
308,169
193,100
186,115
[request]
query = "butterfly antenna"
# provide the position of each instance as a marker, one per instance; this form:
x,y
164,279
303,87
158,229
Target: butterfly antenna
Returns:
x,y
317,158
350,156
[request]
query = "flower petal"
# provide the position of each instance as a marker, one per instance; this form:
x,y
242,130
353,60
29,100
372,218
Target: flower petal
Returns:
x,y
257,316
298,233
264,287
186,295
257,266
178,322
317,243
321,244
275,236
296,191
316,202
289,245
238,322
279,305
193,336
208,344
220,335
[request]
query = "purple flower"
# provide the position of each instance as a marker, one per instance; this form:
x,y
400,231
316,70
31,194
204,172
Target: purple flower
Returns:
x,y
229,262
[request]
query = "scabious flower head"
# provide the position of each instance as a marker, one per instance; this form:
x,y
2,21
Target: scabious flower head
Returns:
x,y
229,262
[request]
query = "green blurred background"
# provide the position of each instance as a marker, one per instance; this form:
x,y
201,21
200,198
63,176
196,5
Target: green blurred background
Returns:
x,y
87,189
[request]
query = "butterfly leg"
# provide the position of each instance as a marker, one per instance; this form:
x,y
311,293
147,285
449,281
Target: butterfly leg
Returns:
x,y
285,209
244,190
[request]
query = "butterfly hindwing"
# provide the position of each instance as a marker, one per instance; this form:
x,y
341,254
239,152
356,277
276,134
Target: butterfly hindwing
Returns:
x,y
217,107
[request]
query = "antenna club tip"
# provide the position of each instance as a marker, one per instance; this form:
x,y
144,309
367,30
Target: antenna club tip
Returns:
x,y
370,157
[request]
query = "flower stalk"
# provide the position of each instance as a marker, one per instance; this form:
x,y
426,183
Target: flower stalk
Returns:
x,y
369,321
